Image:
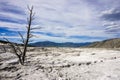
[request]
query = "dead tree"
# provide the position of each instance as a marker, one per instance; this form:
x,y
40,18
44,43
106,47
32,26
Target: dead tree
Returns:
x,y
29,35
19,52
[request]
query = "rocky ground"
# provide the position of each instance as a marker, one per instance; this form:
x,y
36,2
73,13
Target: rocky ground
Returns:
x,y
62,64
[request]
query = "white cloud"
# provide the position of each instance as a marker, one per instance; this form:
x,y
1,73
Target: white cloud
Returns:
x,y
62,17
40,37
111,20
11,37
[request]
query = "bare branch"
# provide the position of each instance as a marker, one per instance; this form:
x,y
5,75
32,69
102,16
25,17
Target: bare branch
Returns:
x,y
18,48
35,28
15,50
30,9
31,35
12,45
23,41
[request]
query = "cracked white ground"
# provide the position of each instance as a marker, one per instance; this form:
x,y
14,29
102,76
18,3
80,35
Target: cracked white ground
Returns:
x,y
62,64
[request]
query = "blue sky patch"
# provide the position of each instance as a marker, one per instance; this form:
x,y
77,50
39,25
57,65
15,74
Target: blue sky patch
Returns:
x,y
62,20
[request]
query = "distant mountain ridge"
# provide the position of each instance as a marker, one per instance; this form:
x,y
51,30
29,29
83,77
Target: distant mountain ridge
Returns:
x,y
54,44
110,43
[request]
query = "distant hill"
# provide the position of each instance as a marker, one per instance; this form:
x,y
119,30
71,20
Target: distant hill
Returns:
x,y
53,44
110,43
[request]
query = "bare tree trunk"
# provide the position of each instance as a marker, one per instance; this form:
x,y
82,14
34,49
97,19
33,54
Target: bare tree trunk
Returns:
x,y
28,33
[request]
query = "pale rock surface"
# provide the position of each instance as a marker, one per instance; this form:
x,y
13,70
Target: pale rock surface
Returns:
x,y
62,64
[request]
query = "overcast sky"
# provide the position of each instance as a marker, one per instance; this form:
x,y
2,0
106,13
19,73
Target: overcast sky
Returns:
x,y
62,20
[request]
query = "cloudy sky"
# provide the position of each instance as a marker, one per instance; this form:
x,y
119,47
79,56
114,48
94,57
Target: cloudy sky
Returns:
x,y
62,20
